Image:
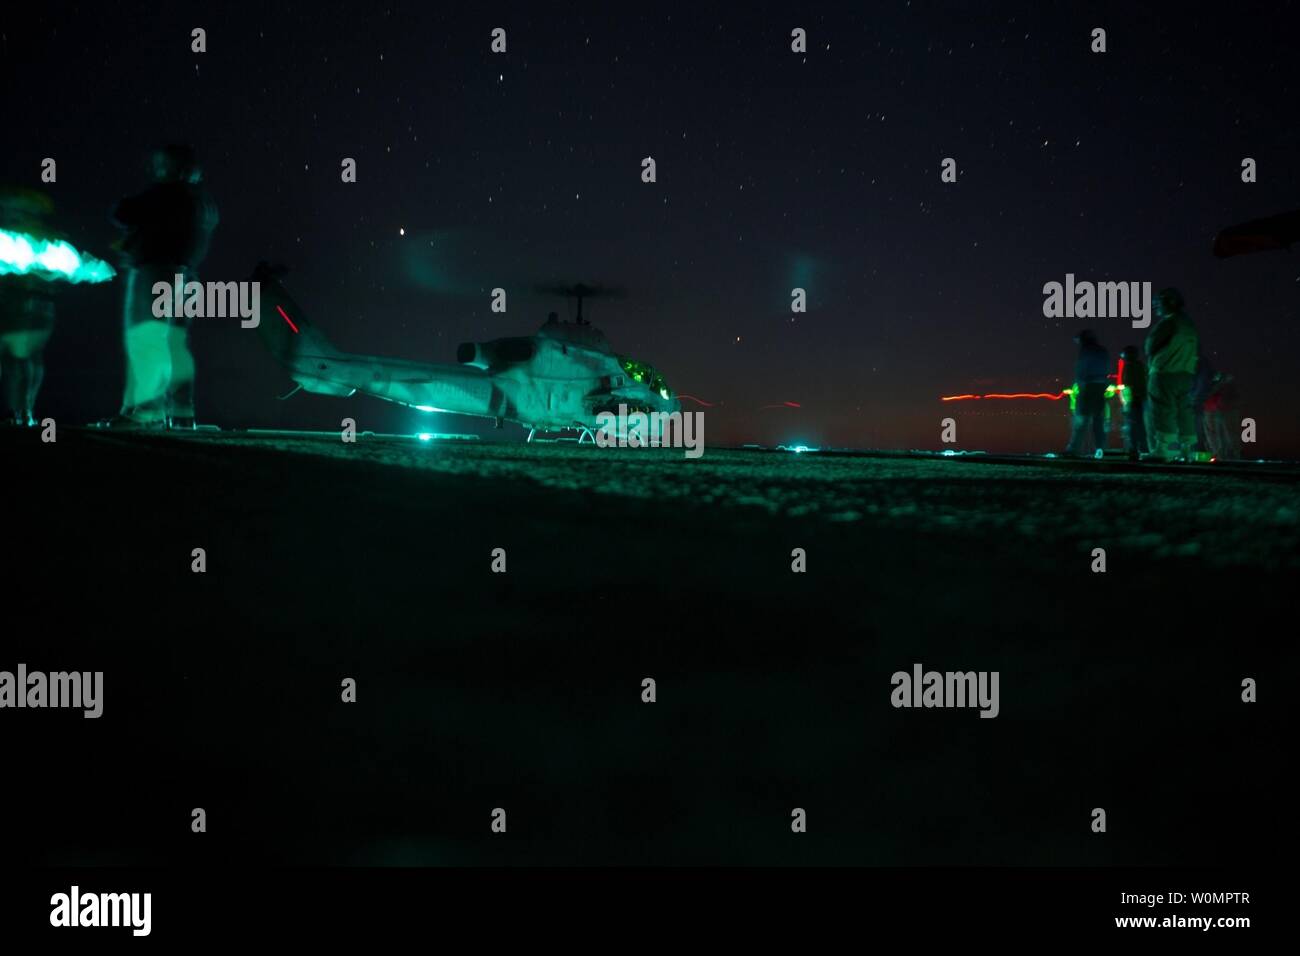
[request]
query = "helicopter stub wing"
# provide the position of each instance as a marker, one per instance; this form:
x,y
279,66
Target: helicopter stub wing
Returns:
x,y
443,388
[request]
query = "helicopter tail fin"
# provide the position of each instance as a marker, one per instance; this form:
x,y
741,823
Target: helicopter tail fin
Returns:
x,y
284,326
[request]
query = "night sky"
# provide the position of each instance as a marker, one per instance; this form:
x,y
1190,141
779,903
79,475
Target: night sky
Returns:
x,y
774,169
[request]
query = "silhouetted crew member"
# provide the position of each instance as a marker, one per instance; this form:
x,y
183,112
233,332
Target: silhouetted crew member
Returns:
x,y
1221,422
26,310
1202,385
1090,380
1134,400
1171,350
169,226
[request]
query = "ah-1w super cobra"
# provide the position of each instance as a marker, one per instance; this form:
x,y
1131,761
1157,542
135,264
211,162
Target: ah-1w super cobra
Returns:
x,y
559,379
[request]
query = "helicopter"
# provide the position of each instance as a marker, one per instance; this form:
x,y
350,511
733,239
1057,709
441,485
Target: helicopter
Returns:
x,y
558,379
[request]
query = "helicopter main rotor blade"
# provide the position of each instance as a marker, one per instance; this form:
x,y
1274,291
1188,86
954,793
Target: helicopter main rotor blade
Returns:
x,y
582,290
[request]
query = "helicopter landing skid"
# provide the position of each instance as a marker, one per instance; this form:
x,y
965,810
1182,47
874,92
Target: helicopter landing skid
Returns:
x,y
585,436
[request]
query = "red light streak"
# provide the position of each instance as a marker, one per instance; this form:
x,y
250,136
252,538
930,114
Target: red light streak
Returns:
x,y
287,319
1055,397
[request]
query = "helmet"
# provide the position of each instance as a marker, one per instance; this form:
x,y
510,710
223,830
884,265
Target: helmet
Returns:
x,y
175,161
23,209
1168,302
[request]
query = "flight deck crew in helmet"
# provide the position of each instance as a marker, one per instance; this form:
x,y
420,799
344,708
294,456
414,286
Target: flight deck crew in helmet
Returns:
x,y
1134,399
1090,381
168,228
1171,350
26,309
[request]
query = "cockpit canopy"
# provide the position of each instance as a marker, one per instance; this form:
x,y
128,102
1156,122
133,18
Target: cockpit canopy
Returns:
x,y
646,375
